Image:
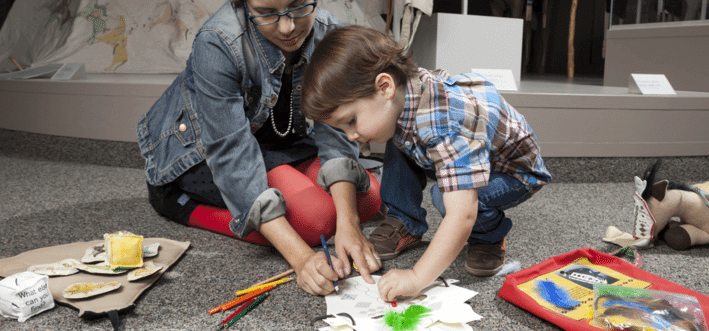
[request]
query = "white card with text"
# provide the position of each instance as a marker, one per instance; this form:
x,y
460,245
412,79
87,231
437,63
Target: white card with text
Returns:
x,y
503,79
70,71
650,84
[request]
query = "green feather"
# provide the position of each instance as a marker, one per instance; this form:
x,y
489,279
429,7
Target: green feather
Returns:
x,y
627,292
407,320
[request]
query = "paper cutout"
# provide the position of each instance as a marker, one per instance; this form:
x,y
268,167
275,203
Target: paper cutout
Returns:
x,y
361,300
148,269
62,268
101,268
85,290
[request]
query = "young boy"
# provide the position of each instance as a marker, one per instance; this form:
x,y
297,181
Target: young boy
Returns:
x,y
483,154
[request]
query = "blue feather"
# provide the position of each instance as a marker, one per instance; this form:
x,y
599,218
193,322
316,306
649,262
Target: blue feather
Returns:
x,y
554,294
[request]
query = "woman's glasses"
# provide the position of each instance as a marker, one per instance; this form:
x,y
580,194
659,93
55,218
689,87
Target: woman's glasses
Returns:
x,y
297,12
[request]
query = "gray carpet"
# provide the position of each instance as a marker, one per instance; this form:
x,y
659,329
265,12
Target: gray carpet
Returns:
x,y
56,190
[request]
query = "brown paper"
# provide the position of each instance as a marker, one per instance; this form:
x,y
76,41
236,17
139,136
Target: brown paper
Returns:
x,y
170,252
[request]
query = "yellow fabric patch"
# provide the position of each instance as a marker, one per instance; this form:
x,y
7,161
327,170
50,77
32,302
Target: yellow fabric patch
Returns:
x,y
123,251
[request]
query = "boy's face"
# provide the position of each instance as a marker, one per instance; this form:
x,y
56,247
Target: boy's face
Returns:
x,y
288,34
369,119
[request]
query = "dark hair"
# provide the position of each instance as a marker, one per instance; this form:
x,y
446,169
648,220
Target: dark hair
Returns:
x,y
344,66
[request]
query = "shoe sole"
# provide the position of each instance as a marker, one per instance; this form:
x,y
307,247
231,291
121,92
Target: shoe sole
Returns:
x,y
483,272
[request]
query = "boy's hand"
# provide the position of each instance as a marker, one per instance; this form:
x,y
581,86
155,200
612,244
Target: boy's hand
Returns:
x,y
398,284
350,241
315,275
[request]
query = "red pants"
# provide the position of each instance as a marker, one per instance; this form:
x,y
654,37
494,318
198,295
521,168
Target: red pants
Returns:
x,y
309,208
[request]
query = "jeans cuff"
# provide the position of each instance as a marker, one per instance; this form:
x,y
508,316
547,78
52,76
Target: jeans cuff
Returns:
x,y
415,228
494,236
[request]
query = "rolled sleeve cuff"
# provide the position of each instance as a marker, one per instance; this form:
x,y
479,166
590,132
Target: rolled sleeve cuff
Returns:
x,y
343,169
268,205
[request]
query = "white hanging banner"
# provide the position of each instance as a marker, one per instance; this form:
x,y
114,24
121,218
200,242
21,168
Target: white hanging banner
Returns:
x,y
650,84
503,79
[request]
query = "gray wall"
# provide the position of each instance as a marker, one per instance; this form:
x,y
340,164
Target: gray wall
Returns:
x,y
677,50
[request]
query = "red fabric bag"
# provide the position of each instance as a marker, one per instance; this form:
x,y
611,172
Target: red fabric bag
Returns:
x,y
575,271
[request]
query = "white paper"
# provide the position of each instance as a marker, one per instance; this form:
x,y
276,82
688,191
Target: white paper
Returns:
x,y
361,301
454,313
370,325
650,84
503,79
70,71
44,71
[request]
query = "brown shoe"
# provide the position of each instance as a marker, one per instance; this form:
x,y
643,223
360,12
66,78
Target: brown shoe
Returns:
x,y
390,238
485,260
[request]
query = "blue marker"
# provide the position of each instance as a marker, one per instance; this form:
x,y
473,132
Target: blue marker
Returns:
x,y
329,260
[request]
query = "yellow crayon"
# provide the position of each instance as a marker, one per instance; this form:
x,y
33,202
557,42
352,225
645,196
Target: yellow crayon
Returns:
x,y
251,289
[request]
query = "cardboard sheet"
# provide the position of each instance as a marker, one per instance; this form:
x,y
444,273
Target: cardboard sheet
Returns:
x,y
170,252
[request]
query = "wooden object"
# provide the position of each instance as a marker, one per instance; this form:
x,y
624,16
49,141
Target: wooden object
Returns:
x,y
572,30
15,62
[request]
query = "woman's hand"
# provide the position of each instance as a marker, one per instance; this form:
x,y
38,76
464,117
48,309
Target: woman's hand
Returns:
x,y
399,284
350,241
315,275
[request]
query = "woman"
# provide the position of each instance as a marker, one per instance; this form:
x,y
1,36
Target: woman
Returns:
x,y
226,145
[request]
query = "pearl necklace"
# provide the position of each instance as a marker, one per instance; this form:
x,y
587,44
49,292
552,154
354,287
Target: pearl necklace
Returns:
x,y
290,119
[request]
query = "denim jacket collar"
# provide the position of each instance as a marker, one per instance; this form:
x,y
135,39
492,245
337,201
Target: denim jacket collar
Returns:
x,y
272,56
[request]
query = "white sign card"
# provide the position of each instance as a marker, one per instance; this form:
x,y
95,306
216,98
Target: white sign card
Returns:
x,y
503,79
45,71
650,84
70,71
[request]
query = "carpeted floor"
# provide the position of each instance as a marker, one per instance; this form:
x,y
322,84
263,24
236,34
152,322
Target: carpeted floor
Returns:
x,y
56,190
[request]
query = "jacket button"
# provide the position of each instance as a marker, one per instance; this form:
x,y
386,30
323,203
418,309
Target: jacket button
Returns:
x,y
250,99
183,127
299,87
274,98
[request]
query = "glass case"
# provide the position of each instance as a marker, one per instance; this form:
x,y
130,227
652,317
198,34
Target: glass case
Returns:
x,y
656,11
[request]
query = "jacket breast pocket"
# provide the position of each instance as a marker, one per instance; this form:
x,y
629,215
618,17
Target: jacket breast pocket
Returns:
x,y
252,95
185,128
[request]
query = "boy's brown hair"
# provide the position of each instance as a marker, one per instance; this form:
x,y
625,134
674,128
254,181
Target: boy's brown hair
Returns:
x,y
344,66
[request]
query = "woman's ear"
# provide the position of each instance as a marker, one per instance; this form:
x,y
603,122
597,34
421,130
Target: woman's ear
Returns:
x,y
385,84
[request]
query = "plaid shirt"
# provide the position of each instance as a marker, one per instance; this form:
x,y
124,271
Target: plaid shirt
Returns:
x,y
463,129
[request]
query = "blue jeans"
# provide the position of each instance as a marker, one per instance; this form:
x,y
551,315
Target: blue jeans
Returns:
x,y
402,187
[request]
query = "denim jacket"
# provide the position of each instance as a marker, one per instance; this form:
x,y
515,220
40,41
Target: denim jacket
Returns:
x,y
225,94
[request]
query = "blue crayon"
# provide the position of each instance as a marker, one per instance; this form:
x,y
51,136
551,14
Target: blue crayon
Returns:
x,y
329,260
